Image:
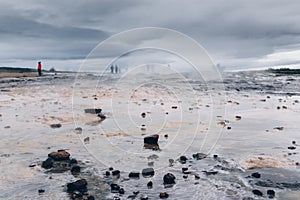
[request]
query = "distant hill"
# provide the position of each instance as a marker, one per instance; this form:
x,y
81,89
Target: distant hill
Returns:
x,y
16,69
284,71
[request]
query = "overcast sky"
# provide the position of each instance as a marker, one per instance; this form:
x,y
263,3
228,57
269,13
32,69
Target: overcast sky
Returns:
x,y
236,34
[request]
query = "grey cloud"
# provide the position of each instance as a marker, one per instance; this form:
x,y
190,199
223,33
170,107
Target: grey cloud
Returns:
x,y
241,31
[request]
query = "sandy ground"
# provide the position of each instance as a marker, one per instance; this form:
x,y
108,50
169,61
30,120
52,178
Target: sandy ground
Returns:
x,y
259,138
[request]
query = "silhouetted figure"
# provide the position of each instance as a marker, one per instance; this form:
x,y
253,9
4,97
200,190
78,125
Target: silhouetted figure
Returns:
x,y
116,69
40,68
112,69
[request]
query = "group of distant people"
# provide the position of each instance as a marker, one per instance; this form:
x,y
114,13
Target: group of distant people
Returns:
x,y
115,69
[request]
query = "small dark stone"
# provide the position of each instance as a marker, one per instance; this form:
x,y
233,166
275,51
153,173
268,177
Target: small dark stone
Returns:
x,y
183,159
291,148
143,115
150,184
210,172
293,142
169,178
228,128
59,155
184,169
215,156
185,176
136,192
174,107
75,169
115,172
197,176
166,136
114,188
78,130
110,169
238,117
73,161
80,185
199,156
255,175
101,116
55,125
93,110
48,163
163,195
107,173
257,192
278,107
41,191
271,194
134,175
144,198
32,165
284,107
121,191
148,172
91,197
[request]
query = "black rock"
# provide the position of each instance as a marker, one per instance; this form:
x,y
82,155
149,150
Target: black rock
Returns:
x,y
257,192
143,115
93,110
55,125
255,175
199,156
48,163
101,116
184,169
169,178
114,188
293,142
41,191
91,197
32,165
144,198
110,169
210,172
75,169
121,191
153,139
107,173
136,192
271,194
115,172
183,159
291,148
79,185
151,142
73,161
148,172
134,175
150,184
163,195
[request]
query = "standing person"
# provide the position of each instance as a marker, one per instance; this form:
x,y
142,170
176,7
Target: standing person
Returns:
x,y
40,68
116,69
112,69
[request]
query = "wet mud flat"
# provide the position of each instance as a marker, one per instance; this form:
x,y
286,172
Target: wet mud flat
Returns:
x,y
255,152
